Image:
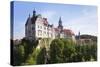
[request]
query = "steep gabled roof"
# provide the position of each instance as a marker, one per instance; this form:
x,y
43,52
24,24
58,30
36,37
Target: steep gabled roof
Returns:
x,y
27,21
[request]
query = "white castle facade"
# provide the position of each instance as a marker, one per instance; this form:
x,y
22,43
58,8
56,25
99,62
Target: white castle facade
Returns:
x,y
37,27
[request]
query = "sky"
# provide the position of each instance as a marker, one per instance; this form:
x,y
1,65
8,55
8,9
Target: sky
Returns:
x,y
81,18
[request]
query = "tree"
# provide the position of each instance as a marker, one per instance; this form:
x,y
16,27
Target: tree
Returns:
x,y
68,51
59,51
41,57
94,51
18,54
56,48
30,60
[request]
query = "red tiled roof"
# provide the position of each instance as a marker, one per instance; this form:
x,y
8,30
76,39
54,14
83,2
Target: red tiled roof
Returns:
x,y
68,31
56,29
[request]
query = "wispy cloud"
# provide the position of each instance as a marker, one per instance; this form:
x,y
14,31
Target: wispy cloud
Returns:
x,y
49,14
87,24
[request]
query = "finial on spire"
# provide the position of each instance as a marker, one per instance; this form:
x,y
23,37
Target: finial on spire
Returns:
x,y
34,12
79,33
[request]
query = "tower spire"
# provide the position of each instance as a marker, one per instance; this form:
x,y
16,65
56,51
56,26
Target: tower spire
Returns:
x,y
29,15
60,21
79,35
34,12
60,26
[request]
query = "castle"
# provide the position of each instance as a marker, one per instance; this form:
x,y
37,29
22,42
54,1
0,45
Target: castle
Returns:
x,y
38,27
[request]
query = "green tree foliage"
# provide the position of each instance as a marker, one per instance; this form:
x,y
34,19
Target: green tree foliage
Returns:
x,y
56,49
68,51
86,52
23,52
79,53
41,57
94,51
30,60
19,54
72,52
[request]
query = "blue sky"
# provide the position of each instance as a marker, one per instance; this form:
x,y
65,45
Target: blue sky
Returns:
x,y
81,18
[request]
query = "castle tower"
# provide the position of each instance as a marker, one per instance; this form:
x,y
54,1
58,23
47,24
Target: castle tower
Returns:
x,y
60,27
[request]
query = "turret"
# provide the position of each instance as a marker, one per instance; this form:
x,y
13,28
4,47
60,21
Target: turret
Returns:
x,y
79,35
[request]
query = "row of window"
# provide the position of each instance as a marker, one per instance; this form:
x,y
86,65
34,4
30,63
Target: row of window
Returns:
x,y
45,28
44,33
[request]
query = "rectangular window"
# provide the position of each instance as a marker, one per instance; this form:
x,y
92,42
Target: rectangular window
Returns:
x,y
33,28
44,28
39,32
41,27
44,32
47,28
48,33
38,26
51,34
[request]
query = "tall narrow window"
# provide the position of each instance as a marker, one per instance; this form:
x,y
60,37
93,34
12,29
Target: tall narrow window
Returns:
x,y
38,26
44,28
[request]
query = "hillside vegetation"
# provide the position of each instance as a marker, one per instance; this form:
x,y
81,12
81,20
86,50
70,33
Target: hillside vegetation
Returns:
x,y
47,51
